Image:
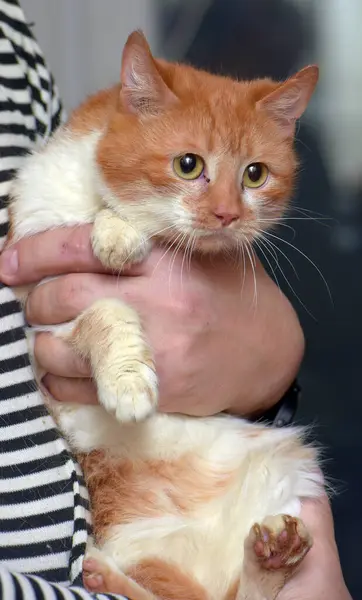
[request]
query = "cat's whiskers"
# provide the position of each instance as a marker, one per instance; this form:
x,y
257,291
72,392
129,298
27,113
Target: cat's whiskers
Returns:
x,y
275,249
241,251
260,245
144,241
168,249
268,233
310,215
251,255
188,244
192,248
277,223
267,245
183,236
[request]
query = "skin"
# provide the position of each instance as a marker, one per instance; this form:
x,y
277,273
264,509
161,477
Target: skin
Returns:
x,y
201,325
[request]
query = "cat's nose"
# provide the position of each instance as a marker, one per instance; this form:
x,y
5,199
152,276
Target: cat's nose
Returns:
x,y
226,218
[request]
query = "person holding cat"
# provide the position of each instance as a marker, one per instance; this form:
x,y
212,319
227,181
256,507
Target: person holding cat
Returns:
x,y
42,486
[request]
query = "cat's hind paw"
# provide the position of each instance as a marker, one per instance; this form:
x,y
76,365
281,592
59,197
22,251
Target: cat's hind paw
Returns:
x,y
99,577
280,542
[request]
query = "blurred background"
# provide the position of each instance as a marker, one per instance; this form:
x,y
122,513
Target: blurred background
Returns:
x,y
83,40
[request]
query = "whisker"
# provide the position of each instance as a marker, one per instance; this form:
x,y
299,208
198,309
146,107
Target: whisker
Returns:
x,y
261,246
278,223
288,282
276,248
146,239
251,255
168,249
307,258
173,258
314,216
184,257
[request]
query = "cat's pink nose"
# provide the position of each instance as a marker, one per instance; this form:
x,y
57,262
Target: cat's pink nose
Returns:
x,y
226,218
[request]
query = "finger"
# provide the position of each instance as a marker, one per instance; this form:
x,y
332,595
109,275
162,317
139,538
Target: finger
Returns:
x,y
61,300
51,253
81,391
63,250
55,356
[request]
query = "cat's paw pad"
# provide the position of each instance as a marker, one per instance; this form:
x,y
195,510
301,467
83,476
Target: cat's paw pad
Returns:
x,y
280,542
131,396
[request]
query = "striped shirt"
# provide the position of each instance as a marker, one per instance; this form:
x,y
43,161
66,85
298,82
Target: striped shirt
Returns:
x,y
44,518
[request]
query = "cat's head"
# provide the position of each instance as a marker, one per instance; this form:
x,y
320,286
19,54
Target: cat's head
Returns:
x,y
190,154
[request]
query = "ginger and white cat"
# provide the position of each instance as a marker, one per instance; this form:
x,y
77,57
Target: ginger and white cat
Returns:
x,y
183,508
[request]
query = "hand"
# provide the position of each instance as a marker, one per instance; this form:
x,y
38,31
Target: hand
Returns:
x,y
319,576
218,346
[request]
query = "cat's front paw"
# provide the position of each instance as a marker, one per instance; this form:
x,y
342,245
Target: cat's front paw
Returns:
x,y
116,242
132,394
280,542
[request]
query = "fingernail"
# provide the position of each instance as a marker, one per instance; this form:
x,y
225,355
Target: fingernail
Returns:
x,y
9,262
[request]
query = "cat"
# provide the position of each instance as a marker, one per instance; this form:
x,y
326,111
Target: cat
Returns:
x,y
183,507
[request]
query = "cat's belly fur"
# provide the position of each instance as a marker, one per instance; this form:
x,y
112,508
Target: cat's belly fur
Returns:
x,y
197,487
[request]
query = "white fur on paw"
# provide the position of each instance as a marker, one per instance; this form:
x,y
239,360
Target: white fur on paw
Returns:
x,y
132,397
117,243
116,257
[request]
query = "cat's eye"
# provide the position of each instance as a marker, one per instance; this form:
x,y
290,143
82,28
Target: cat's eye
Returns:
x,y
255,175
188,166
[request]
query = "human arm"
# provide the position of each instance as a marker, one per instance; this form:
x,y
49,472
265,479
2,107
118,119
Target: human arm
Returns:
x,y
319,576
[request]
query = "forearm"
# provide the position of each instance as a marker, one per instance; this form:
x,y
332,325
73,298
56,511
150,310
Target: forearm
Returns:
x,y
320,576
26,587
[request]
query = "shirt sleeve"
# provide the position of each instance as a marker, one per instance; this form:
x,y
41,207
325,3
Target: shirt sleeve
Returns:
x,y
44,516
15,586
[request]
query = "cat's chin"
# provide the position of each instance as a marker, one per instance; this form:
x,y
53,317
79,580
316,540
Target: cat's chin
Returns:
x,y
215,243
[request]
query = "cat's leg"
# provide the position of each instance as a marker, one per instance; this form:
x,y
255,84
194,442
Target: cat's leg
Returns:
x,y
109,335
152,579
116,242
100,575
273,551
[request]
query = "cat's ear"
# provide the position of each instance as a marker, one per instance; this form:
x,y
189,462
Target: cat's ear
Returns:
x,y
290,99
143,89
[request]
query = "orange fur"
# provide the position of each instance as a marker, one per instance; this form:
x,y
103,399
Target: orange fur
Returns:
x,y
122,491
166,581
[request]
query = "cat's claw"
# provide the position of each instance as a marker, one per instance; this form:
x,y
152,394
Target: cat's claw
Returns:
x,y
280,542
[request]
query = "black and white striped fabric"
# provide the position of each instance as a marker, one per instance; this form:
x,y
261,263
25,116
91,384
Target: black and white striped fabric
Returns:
x,y
43,502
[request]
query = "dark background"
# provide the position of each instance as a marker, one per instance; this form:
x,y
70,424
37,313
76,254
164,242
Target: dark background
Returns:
x,y
269,38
